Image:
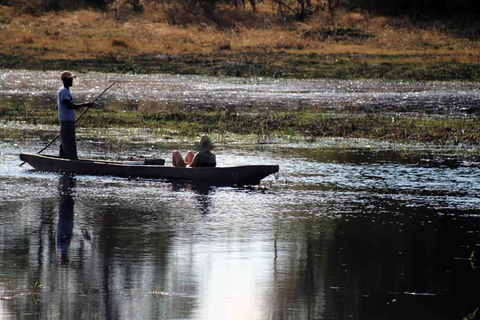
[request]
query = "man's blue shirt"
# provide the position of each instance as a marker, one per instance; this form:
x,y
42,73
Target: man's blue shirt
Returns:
x,y
65,114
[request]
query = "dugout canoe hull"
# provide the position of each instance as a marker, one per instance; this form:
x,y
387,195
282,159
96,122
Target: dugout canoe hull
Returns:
x,y
235,175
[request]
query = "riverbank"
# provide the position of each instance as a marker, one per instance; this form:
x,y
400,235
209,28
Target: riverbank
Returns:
x,y
276,65
347,45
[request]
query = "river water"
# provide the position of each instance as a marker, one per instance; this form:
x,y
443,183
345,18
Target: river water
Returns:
x,y
347,230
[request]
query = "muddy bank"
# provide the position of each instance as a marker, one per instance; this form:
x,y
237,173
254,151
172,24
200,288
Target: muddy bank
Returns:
x,y
258,64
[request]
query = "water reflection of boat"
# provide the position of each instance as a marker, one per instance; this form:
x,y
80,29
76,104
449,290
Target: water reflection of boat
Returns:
x,y
236,175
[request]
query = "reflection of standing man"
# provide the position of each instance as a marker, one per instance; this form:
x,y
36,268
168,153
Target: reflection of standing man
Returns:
x,y
65,216
66,115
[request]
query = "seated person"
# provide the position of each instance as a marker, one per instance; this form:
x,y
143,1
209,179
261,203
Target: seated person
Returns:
x,y
204,158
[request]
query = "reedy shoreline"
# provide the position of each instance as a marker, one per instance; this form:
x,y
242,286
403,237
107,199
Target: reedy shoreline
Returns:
x,y
402,128
254,64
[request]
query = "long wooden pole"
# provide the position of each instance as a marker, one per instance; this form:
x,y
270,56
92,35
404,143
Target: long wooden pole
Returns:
x,y
78,118
101,94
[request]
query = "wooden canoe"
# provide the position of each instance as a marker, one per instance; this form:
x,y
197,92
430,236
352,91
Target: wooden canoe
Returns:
x,y
236,175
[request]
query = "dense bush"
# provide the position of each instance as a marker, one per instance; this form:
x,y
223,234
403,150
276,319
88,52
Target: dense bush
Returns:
x,y
460,10
29,6
422,9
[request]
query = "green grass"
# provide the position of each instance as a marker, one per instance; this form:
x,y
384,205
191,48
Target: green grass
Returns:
x,y
281,64
402,128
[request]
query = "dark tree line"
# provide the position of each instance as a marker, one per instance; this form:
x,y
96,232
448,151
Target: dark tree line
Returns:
x,y
422,9
30,6
454,10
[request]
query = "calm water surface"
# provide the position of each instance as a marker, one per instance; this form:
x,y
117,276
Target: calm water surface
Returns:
x,y
357,232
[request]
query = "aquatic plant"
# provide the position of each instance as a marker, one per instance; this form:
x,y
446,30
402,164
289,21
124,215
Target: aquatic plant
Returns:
x,y
36,291
472,260
7,294
472,315
308,124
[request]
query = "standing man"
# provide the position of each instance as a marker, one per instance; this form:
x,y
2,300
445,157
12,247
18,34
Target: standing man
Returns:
x,y
66,115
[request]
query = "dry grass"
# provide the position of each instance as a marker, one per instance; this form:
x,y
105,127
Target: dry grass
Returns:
x,y
90,34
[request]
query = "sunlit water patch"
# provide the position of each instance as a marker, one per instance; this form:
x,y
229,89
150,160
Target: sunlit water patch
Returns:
x,y
161,91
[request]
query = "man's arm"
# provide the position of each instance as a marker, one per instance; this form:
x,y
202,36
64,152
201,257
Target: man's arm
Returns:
x,y
70,105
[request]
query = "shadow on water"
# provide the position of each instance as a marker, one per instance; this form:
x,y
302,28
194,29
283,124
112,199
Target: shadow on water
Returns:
x,y
417,258
384,260
203,193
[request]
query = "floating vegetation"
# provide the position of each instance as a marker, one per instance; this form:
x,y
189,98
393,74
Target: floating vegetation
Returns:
x,y
398,128
472,261
472,315
8,295
36,291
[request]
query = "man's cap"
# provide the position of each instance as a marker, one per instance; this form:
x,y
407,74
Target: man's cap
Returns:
x,y
67,75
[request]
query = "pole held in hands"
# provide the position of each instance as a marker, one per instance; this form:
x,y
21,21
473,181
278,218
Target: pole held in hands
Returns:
x,y
93,101
78,118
